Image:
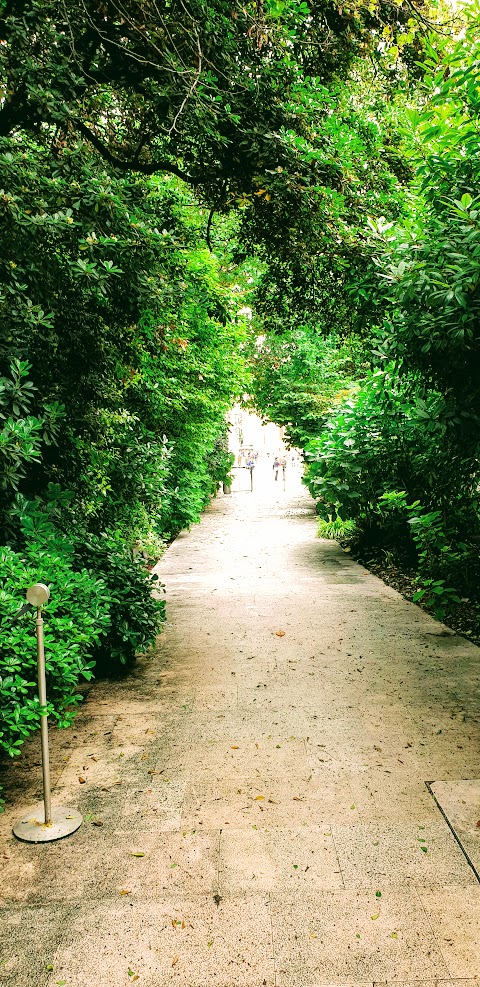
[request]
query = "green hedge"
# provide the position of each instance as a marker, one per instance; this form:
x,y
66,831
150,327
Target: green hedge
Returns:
x,y
101,609
76,617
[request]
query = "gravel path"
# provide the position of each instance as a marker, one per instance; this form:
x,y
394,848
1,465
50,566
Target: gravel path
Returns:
x,y
255,798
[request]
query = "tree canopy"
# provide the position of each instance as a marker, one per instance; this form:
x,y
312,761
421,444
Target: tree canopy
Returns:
x,y
199,90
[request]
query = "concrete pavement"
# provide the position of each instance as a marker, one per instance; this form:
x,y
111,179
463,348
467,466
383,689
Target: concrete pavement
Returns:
x,y
255,795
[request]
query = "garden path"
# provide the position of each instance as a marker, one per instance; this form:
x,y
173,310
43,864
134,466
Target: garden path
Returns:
x,y
256,813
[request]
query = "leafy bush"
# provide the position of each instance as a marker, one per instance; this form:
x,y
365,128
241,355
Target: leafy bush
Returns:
x,y
435,553
136,614
385,461
101,613
76,617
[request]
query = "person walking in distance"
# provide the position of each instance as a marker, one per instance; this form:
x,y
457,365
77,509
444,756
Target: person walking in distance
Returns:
x,y
276,467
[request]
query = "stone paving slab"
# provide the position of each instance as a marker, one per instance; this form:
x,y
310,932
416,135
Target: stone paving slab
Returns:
x,y
333,935
396,856
254,790
455,916
460,802
173,940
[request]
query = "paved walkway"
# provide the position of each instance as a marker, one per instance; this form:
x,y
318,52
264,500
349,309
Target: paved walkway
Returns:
x,y
254,793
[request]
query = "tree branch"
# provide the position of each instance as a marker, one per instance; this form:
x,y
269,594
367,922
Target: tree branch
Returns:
x,y
209,227
145,168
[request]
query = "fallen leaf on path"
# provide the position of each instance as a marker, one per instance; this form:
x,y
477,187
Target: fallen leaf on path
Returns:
x,y
82,780
258,798
124,891
97,822
280,633
234,747
297,798
175,960
137,854
373,917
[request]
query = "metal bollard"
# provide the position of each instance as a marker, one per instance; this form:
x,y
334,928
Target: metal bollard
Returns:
x,y
44,824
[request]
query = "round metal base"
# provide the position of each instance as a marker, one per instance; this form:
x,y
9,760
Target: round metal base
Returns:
x,y
32,828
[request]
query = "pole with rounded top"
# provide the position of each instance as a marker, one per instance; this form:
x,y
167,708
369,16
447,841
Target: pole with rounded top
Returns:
x,y
42,825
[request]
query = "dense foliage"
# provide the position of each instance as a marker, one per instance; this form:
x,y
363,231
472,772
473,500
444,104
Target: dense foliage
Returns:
x,y
197,90
401,456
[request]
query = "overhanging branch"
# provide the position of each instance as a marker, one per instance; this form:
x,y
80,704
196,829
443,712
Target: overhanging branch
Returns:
x,y
144,167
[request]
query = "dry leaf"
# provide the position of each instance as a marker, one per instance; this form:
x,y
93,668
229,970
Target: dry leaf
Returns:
x,y
297,798
234,747
82,780
258,798
175,960
124,891
280,633
97,822
137,854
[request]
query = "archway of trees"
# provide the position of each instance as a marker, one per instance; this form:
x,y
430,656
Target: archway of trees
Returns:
x,y
164,166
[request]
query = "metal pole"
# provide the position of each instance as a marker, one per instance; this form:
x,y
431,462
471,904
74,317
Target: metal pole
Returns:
x,y
251,479
47,824
42,695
